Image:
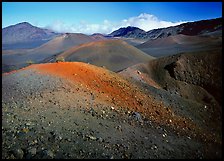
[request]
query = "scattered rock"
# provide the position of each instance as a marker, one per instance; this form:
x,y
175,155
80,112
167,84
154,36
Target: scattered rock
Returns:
x,y
100,139
119,127
164,135
58,137
137,117
138,72
92,111
18,153
189,137
32,151
91,137
68,139
25,130
29,124
154,147
48,154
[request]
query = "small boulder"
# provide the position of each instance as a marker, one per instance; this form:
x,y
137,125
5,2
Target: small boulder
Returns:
x,y
18,153
48,154
32,151
139,72
137,117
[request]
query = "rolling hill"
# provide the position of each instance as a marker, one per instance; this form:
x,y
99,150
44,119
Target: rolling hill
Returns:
x,y
18,58
64,42
115,55
180,43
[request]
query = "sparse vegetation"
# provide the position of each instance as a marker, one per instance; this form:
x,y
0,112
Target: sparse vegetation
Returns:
x,y
29,62
60,59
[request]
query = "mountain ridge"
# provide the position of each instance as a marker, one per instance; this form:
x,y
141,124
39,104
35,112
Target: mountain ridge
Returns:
x,y
25,35
188,28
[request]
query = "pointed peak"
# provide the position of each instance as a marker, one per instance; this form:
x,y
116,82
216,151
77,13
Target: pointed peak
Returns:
x,y
24,24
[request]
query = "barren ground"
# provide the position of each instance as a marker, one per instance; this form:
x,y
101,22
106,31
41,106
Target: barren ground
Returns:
x,y
76,110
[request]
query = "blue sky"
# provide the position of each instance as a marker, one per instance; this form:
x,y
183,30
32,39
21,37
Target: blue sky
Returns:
x,y
104,17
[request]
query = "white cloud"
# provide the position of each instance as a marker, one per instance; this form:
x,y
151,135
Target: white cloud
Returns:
x,y
148,22
143,21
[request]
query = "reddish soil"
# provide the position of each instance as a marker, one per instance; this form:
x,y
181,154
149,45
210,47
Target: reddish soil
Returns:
x,y
91,112
112,88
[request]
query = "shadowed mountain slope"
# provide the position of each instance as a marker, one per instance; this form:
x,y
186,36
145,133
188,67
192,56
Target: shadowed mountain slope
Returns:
x,y
25,35
189,28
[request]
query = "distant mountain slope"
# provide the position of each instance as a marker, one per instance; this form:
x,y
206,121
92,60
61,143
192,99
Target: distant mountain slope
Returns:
x,y
130,32
25,35
98,36
180,43
177,39
63,42
15,59
115,55
189,28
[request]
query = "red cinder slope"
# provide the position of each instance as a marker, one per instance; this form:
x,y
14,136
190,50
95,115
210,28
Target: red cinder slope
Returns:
x,y
111,88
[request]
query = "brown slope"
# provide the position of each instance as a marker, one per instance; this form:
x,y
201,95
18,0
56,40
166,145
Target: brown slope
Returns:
x,y
113,54
179,43
45,52
105,84
173,73
63,42
115,90
191,83
133,41
58,44
176,40
98,36
59,102
109,87
198,68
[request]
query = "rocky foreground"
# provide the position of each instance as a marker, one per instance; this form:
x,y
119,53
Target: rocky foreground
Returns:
x,y
76,110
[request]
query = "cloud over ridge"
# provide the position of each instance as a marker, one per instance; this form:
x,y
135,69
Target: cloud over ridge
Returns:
x,y
144,21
